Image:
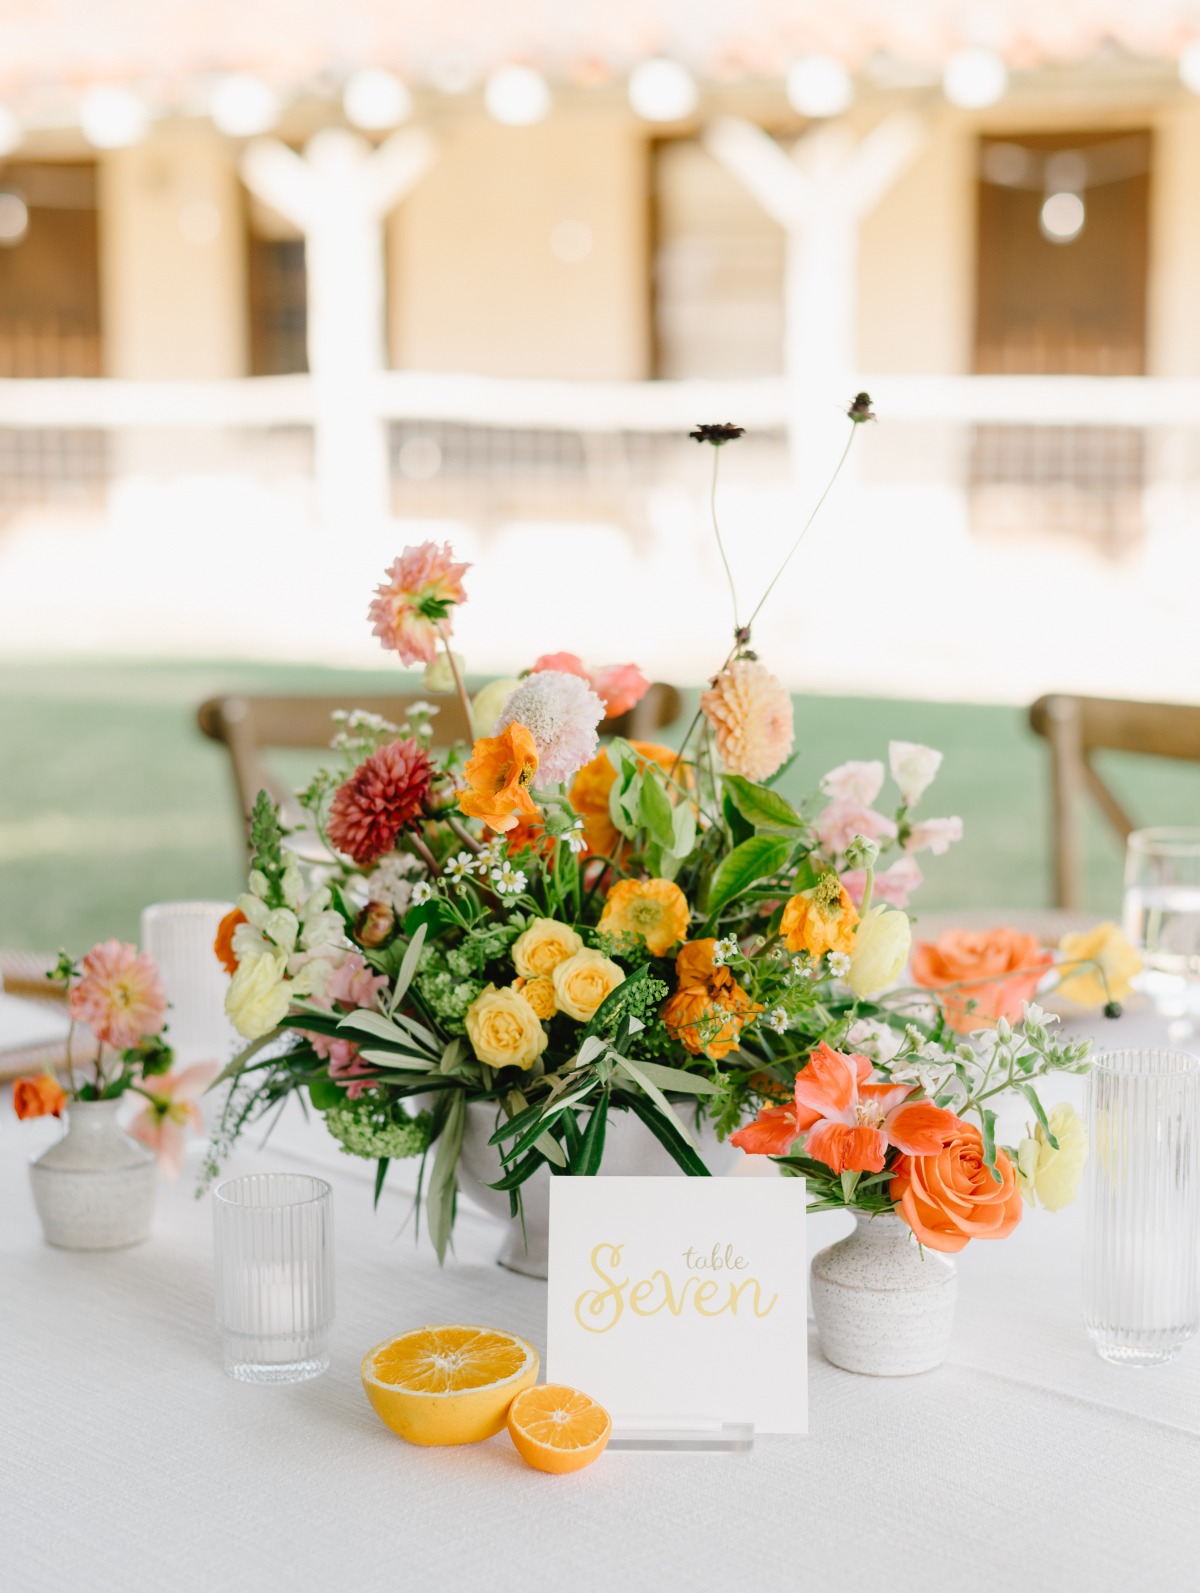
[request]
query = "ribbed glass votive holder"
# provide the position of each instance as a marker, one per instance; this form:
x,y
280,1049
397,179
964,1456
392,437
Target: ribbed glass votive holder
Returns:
x,y
1142,1205
273,1242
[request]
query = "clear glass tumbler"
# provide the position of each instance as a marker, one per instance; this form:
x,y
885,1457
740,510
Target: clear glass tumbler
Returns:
x,y
1141,1274
1162,919
273,1236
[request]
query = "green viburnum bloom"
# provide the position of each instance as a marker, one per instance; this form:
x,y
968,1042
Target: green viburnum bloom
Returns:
x,y
369,1128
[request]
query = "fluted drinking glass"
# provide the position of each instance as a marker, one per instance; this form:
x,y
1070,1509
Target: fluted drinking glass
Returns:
x,y
273,1240
1142,1205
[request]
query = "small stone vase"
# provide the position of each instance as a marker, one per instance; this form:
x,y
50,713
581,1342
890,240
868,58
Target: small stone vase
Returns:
x,y
94,1188
884,1306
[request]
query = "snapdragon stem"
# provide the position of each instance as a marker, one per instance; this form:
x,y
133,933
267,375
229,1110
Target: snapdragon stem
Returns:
x,y
458,681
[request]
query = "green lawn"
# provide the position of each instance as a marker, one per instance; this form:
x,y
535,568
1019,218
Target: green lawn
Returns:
x,y
110,798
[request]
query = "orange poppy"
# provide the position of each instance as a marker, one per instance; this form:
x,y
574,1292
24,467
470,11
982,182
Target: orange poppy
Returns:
x,y
223,945
40,1097
498,775
655,909
820,920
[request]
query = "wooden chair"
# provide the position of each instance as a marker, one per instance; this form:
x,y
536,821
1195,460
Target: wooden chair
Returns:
x,y
1075,728
247,725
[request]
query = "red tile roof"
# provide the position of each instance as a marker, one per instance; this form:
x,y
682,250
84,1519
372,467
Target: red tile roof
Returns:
x,y
52,46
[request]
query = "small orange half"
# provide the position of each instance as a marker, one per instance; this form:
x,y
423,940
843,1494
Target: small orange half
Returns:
x,y
558,1429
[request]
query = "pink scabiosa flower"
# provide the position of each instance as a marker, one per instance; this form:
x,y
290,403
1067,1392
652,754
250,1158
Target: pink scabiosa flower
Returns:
x,y
421,589
561,713
751,715
120,995
170,1112
383,795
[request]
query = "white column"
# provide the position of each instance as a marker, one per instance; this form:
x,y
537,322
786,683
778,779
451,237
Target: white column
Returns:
x,y
338,194
819,194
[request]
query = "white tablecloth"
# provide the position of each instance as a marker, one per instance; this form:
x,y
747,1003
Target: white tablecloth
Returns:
x,y
130,1462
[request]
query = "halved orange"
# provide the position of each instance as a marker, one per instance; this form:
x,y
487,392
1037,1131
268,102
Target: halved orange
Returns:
x,y
558,1429
447,1385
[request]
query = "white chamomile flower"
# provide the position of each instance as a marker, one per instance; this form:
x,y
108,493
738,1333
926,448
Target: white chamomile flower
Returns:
x,y
421,892
839,964
724,951
458,870
492,855
508,881
777,1019
575,838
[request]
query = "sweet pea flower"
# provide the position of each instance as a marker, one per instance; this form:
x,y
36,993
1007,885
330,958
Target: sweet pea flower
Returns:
x,y
934,835
842,821
855,783
913,768
892,885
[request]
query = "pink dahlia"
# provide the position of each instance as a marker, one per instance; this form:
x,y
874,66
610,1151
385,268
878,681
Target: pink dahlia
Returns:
x,y
382,796
120,995
619,686
751,716
422,587
561,713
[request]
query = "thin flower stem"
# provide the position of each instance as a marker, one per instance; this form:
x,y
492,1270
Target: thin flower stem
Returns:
x,y
464,835
458,681
804,529
712,503
423,852
70,1064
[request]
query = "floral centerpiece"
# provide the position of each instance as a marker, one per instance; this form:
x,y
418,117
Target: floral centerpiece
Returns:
x,y
560,932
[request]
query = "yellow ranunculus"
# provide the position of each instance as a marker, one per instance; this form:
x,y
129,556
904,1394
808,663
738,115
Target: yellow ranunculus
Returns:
x,y
543,946
504,1030
1100,951
881,946
258,996
583,981
1048,1175
539,992
487,703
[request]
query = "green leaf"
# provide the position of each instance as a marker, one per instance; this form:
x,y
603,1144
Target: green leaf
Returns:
x,y
516,1176
614,1003
683,829
591,1150
391,1030
243,1056
755,859
380,1175
430,916
739,830
549,1147
764,809
634,1071
678,1079
989,1142
443,1184
408,967
667,1136
406,1061
1031,1095
324,1093
656,811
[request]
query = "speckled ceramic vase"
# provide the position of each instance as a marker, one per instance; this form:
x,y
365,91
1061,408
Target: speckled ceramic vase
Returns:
x,y
884,1306
94,1188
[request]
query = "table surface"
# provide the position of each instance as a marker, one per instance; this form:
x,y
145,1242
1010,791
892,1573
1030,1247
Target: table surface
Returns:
x,y
130,1462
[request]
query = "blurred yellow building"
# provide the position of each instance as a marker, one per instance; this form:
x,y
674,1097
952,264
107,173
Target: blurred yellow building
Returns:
x,y
299,272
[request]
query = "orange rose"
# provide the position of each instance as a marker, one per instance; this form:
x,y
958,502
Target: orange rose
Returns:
x,y
590,788
692,1013
499,773
655,909
40,1097
997,969
223,945
820,920
952,1197
694,966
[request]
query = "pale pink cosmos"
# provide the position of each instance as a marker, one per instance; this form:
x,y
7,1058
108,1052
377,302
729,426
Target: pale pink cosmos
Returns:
x,y
913,768
893,885
164,1121
119,996
841,821
934,835
856,783
419,595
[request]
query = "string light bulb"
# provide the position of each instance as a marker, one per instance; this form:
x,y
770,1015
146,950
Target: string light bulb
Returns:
x,y
517,96
242,106
375,100
112,118
974,78
1062,217
661,90
818,86
11,131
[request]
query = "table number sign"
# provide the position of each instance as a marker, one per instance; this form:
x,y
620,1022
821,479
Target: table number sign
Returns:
x,y
681,1297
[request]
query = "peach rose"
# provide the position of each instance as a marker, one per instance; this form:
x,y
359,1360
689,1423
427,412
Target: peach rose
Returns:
x,y
40,1097
952,1197
996,969
504,1030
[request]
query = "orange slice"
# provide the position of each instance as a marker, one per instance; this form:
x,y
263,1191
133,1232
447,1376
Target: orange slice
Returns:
x,y
447,1385
558,1429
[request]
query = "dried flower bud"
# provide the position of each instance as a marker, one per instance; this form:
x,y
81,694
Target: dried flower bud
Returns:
x,y
1112,1009
718,434
375,925
860,409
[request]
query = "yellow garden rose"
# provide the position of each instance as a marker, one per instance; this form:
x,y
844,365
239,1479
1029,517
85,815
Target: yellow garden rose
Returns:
x,y
881,946
543,946
504,1030
539,993
258,996
583,981
1048,1175
1100,951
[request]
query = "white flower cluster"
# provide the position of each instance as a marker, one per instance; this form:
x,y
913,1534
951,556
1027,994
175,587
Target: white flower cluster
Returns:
x,y
283,953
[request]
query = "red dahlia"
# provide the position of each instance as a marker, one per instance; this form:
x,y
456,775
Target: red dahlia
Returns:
x,y
384,793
